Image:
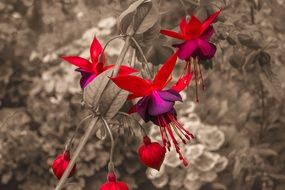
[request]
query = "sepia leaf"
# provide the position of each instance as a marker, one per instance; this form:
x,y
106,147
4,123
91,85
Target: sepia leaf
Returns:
x,y
194,2
93,92
113,98
272,87
139,17
126,17
105,95
157,52
266,152
145,17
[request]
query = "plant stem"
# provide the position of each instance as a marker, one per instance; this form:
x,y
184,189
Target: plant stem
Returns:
x,y
110,165
70,143
82,143
142,54
107,43
133,60
252,14
121,56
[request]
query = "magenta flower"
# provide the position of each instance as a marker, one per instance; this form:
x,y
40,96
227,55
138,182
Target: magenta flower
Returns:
x,y
196,37
157,104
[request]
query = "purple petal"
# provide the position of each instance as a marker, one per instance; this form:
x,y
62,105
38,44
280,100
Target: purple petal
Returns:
x,y
158,106
187,49
86,78
170,95
142,107
208,33
206,50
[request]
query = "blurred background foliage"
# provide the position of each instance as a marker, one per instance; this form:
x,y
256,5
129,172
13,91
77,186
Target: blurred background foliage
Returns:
x,y
239,122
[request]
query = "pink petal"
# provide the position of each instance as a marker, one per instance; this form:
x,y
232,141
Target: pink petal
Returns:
x,y
207,49
187,49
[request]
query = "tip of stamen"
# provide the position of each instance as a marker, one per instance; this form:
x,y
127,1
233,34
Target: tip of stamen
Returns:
x,y
187,137
185,162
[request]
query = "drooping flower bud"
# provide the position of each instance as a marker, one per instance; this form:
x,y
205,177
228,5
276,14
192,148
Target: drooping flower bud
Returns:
x,y
151,154
60,164
112,183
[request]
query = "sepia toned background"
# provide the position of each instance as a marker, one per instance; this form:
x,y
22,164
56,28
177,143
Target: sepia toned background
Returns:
x,y
239,122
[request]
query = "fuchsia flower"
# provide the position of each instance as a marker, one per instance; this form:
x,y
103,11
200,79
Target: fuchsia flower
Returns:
x,y
151,154
196,35
90,70
157,104
113,184
60,164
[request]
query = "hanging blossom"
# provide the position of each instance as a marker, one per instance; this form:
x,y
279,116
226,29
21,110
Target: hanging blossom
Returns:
x,y
157,104
60,164
195,46
113,184
91,69
151,154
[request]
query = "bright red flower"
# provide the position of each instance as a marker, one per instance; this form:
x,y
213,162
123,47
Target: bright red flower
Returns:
x,y
156,104
195,35
90,70
60,164
113,184
151,154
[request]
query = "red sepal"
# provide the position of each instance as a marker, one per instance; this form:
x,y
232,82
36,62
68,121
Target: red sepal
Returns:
x,y
209,20
80,62
172,34
136,85
162,77
182,83
125,70
95,51
193,27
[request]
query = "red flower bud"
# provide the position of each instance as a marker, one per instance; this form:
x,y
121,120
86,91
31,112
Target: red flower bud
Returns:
x,y
151,154
60,164
113,183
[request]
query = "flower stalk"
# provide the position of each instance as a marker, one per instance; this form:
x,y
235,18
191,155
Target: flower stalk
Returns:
x,y
82,143
93,122
111,167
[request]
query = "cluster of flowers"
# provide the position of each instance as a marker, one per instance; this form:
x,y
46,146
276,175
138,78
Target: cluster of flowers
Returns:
x,y
156,103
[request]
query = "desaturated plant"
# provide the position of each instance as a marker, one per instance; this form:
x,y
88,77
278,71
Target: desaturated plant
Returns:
x,y
107,87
